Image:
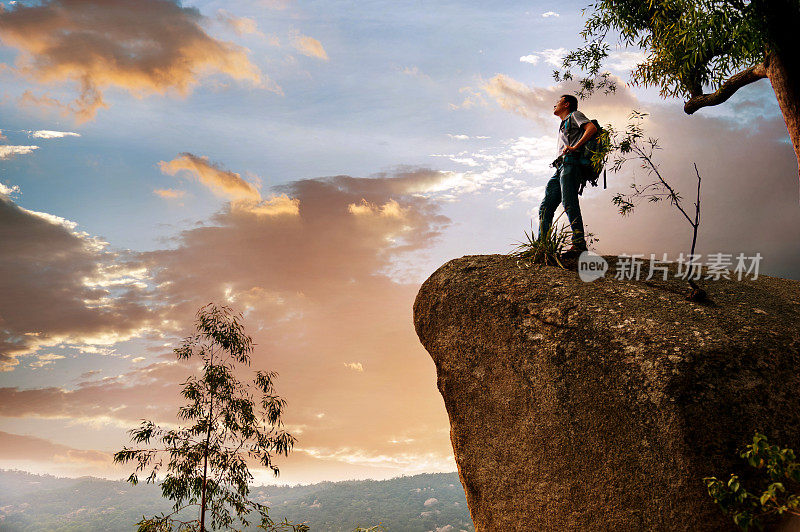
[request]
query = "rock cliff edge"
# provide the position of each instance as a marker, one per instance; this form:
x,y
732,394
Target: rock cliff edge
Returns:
x,y
601,406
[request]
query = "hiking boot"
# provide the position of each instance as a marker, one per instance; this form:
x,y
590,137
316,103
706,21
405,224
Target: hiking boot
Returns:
x,y
573,252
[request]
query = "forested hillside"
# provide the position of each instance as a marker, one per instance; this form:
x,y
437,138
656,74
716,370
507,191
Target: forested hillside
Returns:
x,y
430,502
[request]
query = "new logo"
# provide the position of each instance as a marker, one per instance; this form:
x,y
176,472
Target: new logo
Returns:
x,y
591,266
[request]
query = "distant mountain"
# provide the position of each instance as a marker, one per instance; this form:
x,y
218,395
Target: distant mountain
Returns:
x,y
421,503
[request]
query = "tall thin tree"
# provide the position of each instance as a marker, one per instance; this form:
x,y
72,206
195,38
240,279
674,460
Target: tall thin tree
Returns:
x,y
205,464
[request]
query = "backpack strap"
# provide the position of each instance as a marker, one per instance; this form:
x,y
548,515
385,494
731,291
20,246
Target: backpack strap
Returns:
x,y
565,123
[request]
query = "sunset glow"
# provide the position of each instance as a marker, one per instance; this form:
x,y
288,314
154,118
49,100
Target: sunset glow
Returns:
x,y
309,165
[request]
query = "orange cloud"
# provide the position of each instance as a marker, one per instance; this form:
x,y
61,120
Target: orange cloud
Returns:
x,y
246,197
536,103
241,25
119,400
308,46
84,106
169,193
144,47
222,182
274,206
22,447
316,297
390,209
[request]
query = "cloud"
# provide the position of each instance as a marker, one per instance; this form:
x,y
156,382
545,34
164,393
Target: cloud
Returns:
x,y
118,400
18,447
729,176
220,181
551,56
169,193
246,197
536,103
310,285
390,209
341,226
505,168
549,14
277,205
431,501
414,72
624,61
355,366
6,190
466,137
43,360
241,25
62,286
472,98
145,47
308,46
47,134
7,152
81,108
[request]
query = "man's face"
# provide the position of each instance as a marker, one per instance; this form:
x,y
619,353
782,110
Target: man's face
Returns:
x,y
560,106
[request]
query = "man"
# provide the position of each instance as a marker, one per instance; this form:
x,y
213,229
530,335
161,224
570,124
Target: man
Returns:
x,y
574,132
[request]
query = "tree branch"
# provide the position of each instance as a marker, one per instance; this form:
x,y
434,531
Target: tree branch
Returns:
x,y
726,90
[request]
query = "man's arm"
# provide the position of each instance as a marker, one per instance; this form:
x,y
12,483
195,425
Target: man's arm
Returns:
x,y
589,130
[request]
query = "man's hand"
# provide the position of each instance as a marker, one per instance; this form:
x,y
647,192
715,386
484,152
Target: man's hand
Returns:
x,y
589,130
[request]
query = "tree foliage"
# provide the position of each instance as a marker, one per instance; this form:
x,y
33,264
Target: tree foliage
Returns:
x,y
688,44
205,463
691,46
776,485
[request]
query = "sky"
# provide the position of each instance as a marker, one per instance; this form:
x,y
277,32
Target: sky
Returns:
x,y
308,164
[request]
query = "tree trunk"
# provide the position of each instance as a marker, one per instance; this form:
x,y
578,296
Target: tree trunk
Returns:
x,y
205,474
783,64
785,79
205,455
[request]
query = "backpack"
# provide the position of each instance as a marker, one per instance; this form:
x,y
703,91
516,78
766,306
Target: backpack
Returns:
x,y
592,158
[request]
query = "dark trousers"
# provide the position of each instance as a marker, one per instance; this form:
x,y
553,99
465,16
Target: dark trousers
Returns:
x,y
563,188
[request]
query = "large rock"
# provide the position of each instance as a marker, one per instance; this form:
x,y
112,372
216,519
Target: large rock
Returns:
x,y
601,406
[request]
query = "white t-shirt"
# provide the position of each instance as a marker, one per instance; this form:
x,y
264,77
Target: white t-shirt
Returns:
x,y
570,131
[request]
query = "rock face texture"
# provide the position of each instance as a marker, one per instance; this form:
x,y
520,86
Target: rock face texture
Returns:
x,y
601,406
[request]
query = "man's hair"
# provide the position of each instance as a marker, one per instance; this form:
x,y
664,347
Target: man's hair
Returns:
x,y
572,101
